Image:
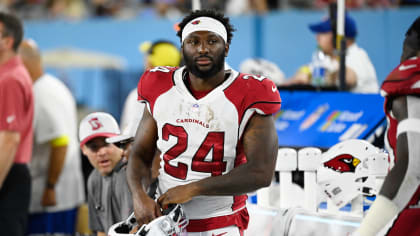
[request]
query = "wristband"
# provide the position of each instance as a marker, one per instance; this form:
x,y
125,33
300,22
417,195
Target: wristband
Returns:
x,y
60,141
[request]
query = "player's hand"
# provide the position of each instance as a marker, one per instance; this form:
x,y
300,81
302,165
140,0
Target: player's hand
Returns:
x,y
48,198
178,194
146,210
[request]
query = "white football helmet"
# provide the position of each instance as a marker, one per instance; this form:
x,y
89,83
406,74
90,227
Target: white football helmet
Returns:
x,y
172,223
349,169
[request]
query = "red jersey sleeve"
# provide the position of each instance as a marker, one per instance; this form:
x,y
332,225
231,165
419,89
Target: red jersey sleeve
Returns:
x,y
254,92
262,95
403,80
12,105
153,83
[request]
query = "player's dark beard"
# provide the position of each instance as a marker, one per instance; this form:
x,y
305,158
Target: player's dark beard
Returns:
x,y
218,63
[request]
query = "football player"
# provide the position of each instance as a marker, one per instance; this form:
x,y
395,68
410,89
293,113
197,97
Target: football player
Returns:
x,y
214,128
396,210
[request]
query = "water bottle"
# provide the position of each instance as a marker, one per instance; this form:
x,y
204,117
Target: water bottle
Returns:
x,y
318,68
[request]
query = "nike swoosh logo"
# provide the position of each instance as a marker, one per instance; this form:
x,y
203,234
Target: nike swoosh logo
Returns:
x,y
219,234
274,89
10,119
404,67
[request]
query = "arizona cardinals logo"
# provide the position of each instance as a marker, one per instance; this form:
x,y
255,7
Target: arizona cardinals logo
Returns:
x,y
343,163
196,22
95,123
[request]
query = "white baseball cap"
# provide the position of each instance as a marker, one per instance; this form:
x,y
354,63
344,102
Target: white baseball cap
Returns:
x,y
97,124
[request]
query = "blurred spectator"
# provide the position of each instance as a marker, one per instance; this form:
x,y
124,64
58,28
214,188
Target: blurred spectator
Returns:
x,y
16,133
379,3
173,9
300,3
68,9
29,9
167,9
239,7
57,183
105,7
408,2
356,4
213,4
109,198
258,66
6,5
323,69
158,53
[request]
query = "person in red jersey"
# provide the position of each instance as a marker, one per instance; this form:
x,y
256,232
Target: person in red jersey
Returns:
x,y
214,128
16,133
396,210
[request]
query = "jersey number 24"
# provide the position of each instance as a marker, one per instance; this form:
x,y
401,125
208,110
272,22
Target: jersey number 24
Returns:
x,y
213,140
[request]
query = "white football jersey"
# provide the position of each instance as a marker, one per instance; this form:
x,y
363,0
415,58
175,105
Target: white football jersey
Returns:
x,y
200,138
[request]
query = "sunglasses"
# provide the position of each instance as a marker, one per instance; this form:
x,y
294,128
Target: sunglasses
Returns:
x,y
95,146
